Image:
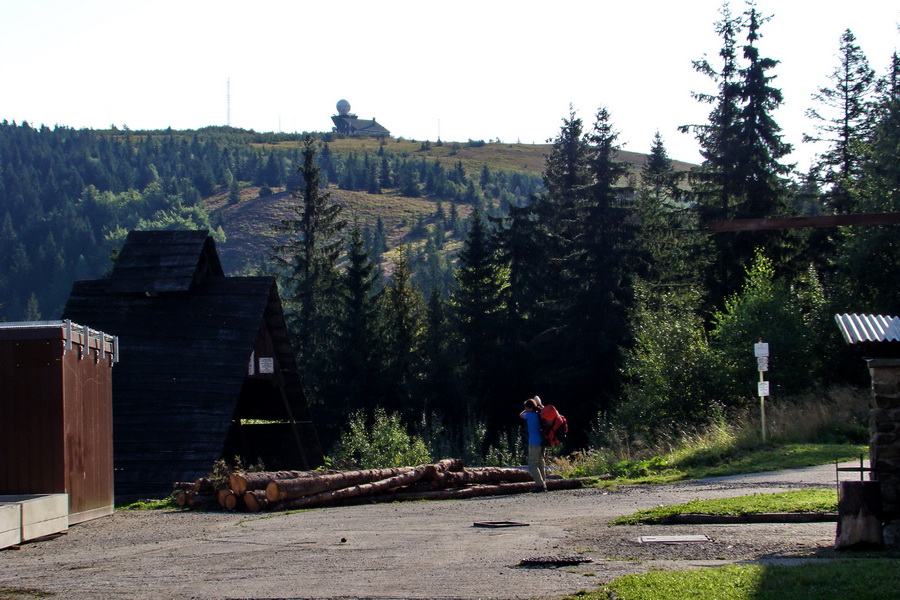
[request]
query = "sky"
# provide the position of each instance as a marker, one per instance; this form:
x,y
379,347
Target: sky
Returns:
x,y
425,69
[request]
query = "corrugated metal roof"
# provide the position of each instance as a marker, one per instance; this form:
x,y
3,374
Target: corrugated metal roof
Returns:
x,y
868,328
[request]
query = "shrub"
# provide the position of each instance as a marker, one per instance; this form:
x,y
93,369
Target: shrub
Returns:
x,y
380,442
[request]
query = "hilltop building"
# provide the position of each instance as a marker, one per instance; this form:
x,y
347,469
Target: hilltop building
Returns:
x,y
349,124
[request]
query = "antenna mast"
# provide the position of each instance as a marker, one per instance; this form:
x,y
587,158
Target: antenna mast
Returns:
x,y
228,102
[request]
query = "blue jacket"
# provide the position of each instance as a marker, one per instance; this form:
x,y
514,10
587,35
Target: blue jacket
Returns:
x,y
533,420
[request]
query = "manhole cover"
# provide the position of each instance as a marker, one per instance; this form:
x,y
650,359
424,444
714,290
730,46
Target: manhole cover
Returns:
x,y
553,561
672,539
499,524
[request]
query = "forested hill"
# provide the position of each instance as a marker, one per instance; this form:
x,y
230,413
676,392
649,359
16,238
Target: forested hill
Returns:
x,y
68,197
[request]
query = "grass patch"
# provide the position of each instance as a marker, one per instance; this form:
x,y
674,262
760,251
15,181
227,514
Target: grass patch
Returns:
x,y
825,427
695,461
148,504
873,579
788,456
799,501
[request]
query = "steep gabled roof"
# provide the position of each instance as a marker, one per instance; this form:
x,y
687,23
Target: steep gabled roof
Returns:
x,y
164,261
187,336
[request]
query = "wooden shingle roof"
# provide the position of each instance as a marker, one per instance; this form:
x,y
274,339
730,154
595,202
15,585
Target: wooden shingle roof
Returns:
x,y
164,261
187,336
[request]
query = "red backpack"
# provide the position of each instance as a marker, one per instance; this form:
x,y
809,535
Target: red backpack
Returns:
x,y
554,426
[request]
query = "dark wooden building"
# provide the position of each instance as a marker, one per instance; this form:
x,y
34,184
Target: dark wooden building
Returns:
x,y
207,370
56,414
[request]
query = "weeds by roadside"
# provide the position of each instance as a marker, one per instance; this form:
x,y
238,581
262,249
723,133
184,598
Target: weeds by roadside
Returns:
x,y
802,432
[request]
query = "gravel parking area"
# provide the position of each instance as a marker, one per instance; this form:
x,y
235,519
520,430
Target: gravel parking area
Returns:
x,y
406,550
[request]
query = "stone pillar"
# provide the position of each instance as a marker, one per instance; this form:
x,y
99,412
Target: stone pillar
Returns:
x,y
884,446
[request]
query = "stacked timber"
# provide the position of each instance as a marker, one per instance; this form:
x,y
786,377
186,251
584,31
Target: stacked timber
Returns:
x,y
288,490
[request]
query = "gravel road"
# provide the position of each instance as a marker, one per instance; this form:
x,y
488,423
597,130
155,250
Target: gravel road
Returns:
x,y
404,550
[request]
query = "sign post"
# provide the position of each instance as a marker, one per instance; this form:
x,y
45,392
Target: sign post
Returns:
x,y
761,350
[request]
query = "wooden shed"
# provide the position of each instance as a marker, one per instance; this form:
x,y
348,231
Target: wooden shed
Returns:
x,y
56,414
207,369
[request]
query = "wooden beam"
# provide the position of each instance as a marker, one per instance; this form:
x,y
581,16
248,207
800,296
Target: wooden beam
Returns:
x,y
889,218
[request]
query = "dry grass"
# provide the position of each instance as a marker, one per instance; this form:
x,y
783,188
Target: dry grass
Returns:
x,y
812,428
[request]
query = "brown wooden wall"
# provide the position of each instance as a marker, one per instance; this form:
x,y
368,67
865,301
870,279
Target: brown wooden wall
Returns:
x,y
56,420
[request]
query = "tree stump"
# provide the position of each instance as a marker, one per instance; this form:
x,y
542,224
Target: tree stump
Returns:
x,y
859,516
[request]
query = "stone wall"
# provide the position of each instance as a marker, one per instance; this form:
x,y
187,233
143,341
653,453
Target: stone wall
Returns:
x,y
884,446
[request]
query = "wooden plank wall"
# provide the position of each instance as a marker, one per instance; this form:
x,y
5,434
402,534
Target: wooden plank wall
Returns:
x,y
56,421
31,419
87,421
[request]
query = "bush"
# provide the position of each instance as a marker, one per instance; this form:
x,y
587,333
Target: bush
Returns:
x,y
671,372
380,442
787,315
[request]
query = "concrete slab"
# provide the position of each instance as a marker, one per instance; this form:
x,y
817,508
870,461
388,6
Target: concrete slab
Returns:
x,y
42,514
10,525
672,539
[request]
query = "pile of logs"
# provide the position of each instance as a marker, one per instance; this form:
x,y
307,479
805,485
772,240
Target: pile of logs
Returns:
x,y
287,490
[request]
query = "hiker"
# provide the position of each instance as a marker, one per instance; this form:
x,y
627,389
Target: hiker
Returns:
x,y
531,414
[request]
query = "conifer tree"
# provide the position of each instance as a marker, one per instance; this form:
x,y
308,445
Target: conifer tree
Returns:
x,y
843,122
741,175
479,310
357,361
307,264
32,309
440,389
602,267
379,240
667,237
868,258
403,329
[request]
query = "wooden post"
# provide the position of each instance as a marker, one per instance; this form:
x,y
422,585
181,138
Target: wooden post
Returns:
x,y
859,516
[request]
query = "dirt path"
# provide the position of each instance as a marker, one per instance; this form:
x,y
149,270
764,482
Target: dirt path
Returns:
x,y
408,550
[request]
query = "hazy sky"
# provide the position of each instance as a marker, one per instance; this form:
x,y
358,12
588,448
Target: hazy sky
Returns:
x,y
460,69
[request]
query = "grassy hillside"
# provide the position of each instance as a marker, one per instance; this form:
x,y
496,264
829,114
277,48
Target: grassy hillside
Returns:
x,y
249,224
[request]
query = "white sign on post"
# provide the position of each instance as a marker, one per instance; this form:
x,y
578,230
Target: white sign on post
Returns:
x,y
761,350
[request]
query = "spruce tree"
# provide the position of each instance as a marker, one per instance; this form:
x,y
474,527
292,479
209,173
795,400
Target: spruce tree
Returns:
x,y
868,258
479,310
667,238
602,267
440,389
306,262
741,176
843,122
403,328
719,137
357,360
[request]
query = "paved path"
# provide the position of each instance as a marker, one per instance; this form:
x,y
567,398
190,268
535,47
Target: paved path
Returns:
x,y
401,550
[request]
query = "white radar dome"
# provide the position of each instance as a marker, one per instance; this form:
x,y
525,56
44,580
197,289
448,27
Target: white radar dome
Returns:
x,y
343,107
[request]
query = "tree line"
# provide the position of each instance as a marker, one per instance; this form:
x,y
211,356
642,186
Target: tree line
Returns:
x,y
597,288
605,293
68,197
